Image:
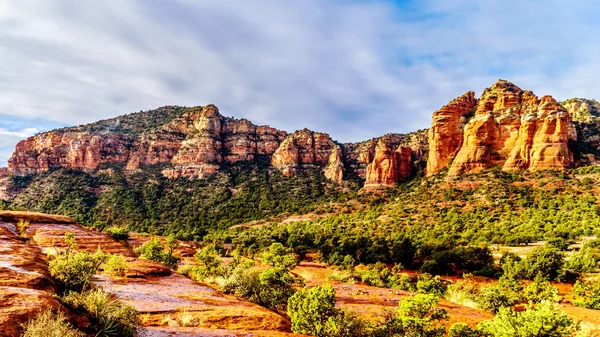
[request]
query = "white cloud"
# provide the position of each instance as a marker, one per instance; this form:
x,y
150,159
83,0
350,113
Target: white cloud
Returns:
x,y
354,69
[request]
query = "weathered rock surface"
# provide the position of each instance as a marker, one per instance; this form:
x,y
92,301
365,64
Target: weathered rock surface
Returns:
x,y
446,132
510,128
389,166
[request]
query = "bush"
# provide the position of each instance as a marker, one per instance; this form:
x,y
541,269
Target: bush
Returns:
x,y
50,323
118,233
311,309
75,271
587,294
543,320
270,288
462,330
115,265
210,264
582,261
546,261
279,257
108,317
540,290
494,298
416,317
155,251
428,284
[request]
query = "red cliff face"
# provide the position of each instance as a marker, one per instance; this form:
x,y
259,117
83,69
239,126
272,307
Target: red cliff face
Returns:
x,y
511,128
446,132
305,149
388,166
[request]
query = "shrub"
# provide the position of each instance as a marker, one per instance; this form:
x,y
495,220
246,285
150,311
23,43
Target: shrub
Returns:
x,y
587,294
582,261
543,320
546,261
75,271
50,323
464,293
108,317
155,251
115,265
270,288
462,330
280,257
118,233
416,317
494,298
540,290
210,264
559,243
428,284
311,309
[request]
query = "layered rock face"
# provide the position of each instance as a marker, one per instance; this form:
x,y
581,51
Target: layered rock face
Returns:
x,y
304,149
511,128
446,132
389,166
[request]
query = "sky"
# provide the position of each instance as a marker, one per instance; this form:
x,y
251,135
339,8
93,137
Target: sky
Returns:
x,y
355,69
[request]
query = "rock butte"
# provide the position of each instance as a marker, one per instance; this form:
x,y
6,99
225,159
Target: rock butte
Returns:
x,y
506,127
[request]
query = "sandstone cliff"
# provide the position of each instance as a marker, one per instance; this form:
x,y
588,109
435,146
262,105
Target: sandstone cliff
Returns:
x,y
510,128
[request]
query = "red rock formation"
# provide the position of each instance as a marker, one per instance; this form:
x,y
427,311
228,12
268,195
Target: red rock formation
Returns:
x,y
511,128
388,167
303,149
446,132
335,167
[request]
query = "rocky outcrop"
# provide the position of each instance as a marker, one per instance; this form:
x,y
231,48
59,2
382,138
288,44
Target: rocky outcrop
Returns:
x,y
446,132
510,128
389,166
305,149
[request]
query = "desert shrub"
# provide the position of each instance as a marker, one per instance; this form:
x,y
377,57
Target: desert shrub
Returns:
x,y
459,259
75,271
543,320
118,233
279,257
340,276
559,243
496,297
210,264
22,226
270,288
154,250
582,261
462,330
415,317
50,323
540,290
108,317
428,284
115,265
546,261
464,293
587,294
311,309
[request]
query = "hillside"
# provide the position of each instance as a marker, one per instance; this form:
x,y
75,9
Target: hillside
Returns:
x,y
189,170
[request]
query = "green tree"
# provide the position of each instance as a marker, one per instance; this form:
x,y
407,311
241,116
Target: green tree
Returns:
x,y
279,257
587,294
543,320
311,309
546,261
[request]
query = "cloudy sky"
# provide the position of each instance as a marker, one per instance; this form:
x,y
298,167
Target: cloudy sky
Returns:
x,y
353,68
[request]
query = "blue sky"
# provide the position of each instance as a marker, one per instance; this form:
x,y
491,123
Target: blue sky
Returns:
x,y
354,69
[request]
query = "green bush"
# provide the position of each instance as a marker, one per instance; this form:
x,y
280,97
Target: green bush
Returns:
x,y
270,288
543,320
310,310
540,290
416,317
496,297
587,294
582,261
118,233
279,257
75,271
546,261
154,250
115,265
108,317
428,284
462,330
50,323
